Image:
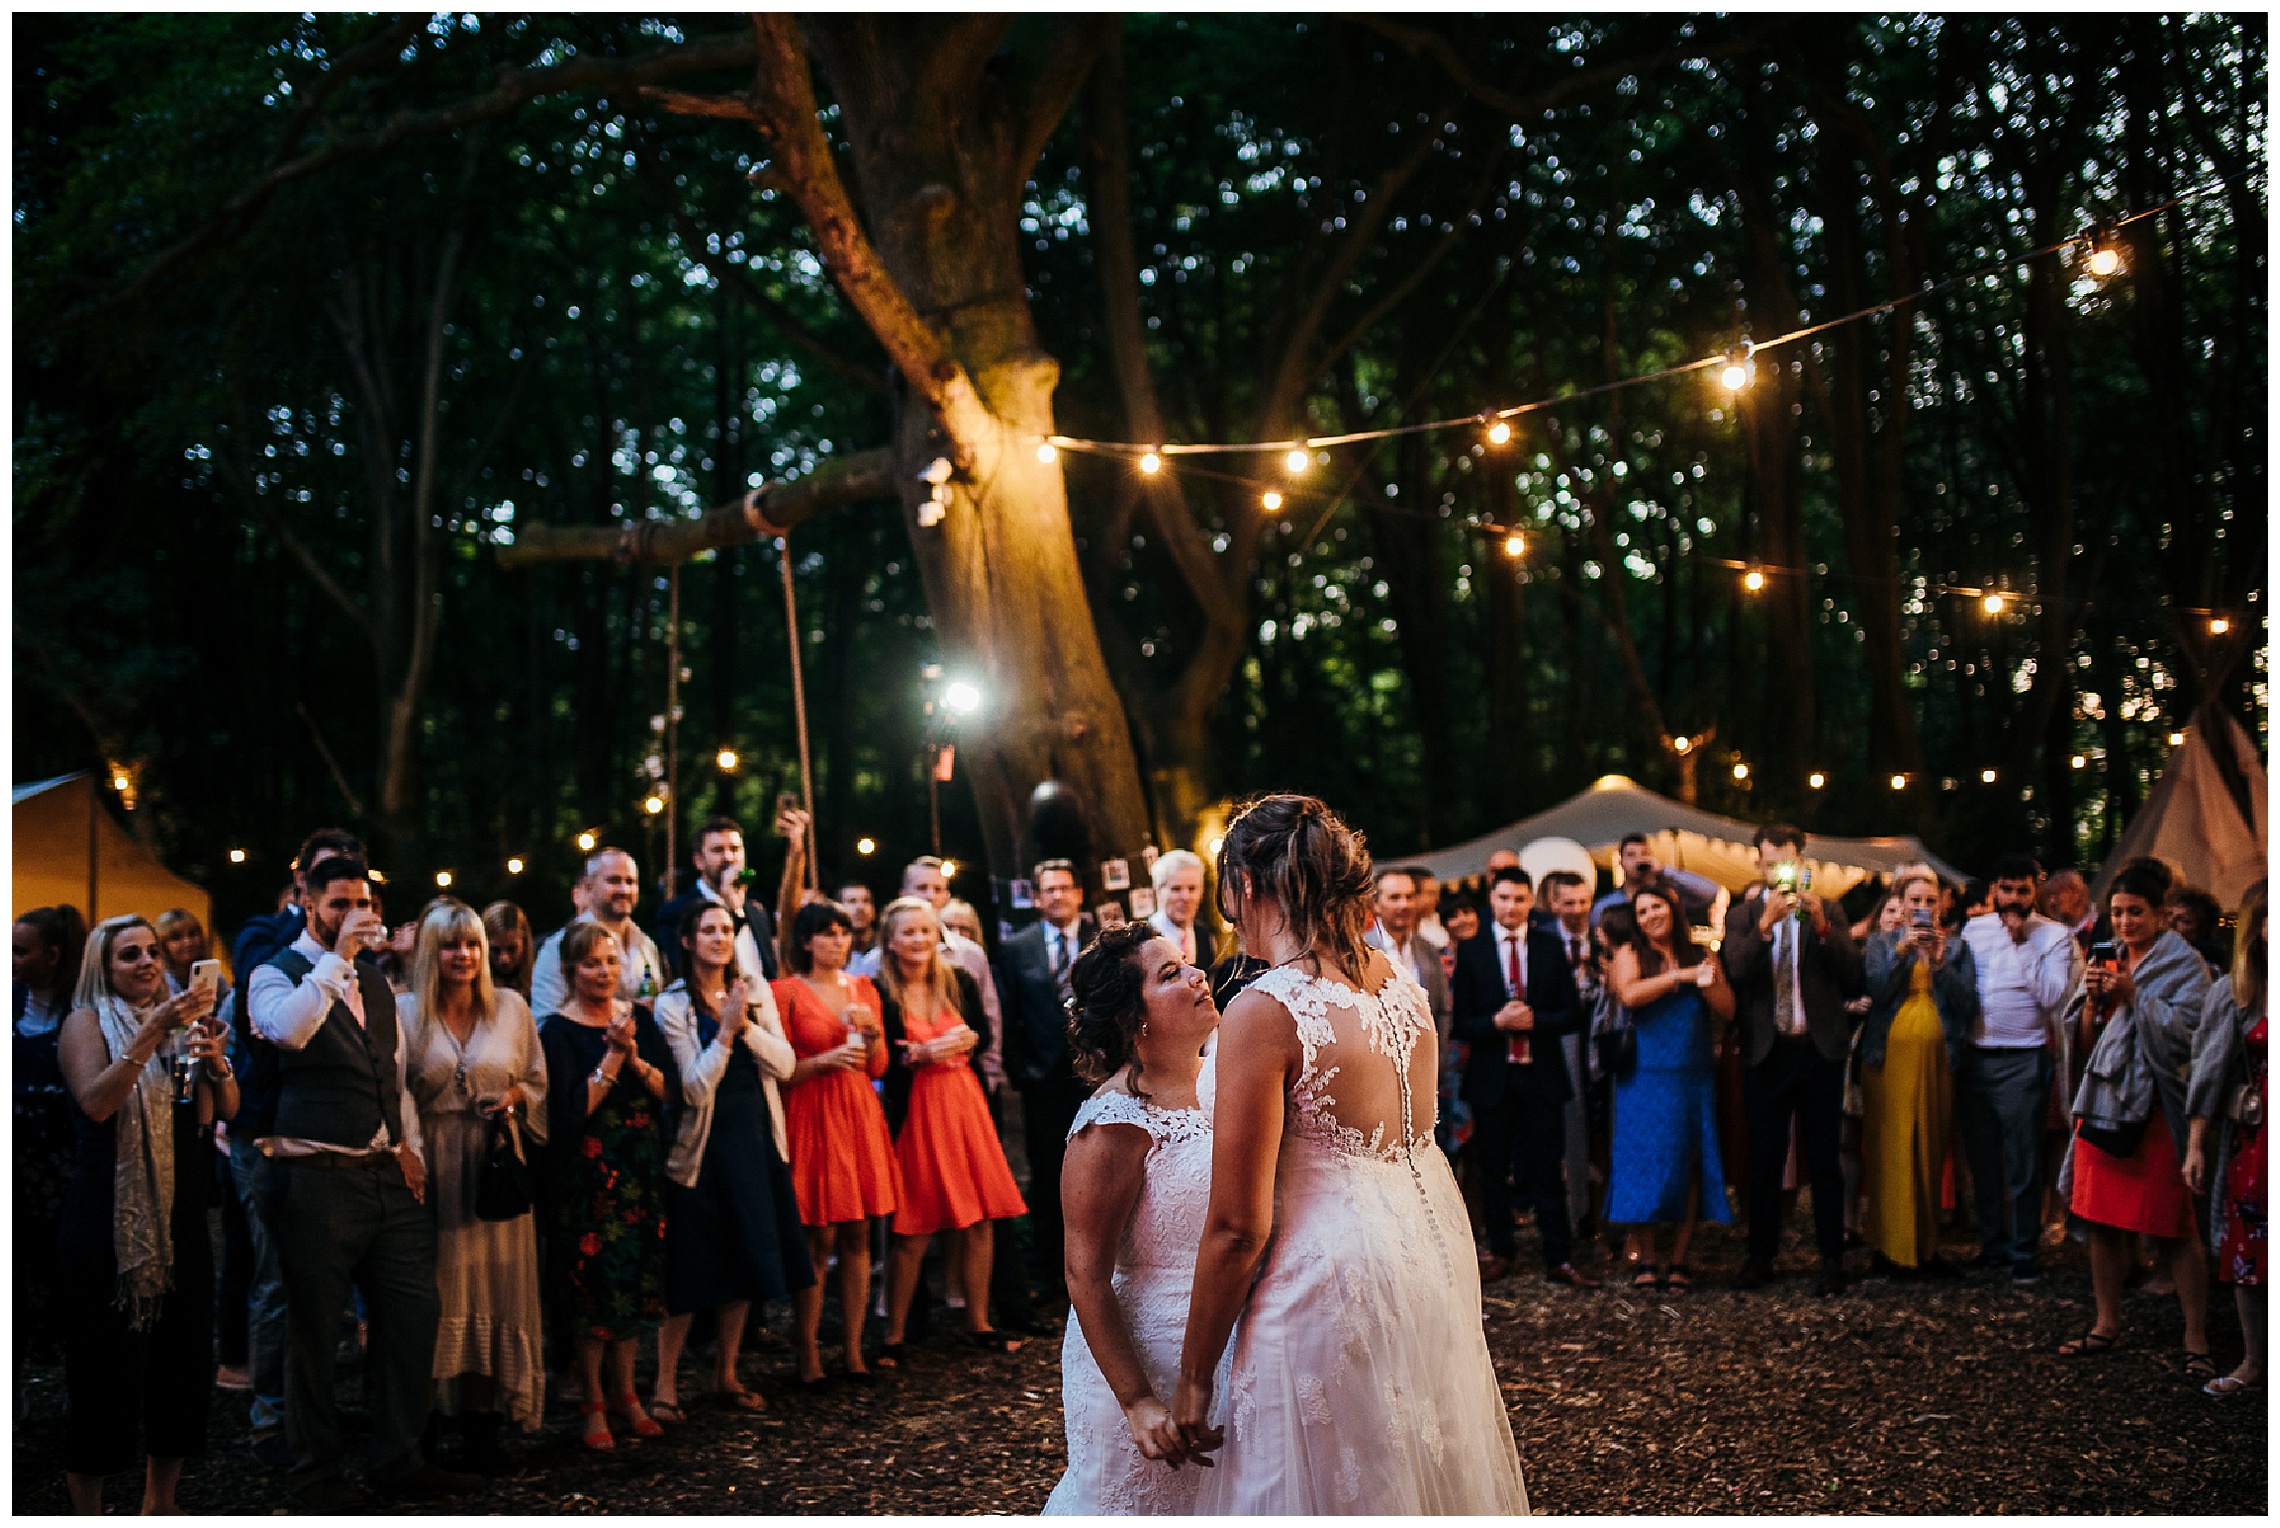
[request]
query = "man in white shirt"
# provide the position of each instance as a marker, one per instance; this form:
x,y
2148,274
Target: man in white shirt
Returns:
x,y
1178,878
2027,966
1394,930
347,1188
1429,926
611,886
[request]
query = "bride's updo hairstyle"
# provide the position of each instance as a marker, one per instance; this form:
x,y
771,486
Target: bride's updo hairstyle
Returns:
x,y
1294,851
1106,1006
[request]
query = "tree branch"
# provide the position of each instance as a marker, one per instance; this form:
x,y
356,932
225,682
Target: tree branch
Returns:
x,y
516,88
797,334
769,510
1050,87
355,803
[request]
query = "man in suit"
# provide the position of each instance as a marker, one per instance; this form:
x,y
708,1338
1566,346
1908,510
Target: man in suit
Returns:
x,y
1792,966
1033,981
1513,1001
1566,896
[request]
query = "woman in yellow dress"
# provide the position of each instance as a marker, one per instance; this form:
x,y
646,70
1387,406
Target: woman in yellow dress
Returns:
x,y
1923,996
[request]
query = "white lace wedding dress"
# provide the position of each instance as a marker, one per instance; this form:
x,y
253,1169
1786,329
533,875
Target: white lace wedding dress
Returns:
x,y
1155,1268
1359,1381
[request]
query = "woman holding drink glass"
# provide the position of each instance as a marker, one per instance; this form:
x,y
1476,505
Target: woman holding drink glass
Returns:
x,y
843,1162
136,1278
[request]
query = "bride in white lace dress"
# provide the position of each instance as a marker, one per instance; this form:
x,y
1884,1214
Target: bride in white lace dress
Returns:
x,y
1134,1187
1359,1381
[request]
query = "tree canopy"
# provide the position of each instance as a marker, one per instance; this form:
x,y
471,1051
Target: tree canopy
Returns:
x,y
315,314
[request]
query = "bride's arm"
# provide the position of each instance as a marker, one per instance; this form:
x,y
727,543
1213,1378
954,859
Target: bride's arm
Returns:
x,y
1257,1049
1101,1178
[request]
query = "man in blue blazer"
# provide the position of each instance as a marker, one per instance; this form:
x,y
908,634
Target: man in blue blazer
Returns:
x,y
1513,999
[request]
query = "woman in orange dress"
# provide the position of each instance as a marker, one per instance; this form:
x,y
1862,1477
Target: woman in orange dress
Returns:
x,y
954,1173
843,1163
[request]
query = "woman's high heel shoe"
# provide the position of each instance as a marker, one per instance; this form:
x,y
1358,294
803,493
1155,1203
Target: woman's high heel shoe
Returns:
x,y
637,1421
596,1434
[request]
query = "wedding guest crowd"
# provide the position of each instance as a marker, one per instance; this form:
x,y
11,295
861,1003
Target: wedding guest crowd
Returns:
x,y
494,1155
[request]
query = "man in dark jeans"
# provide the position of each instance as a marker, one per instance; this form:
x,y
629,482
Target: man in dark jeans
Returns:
x,y
345,1189
1792,966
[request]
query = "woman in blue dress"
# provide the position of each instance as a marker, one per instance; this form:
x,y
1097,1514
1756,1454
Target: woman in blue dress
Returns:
x,y
1665,1170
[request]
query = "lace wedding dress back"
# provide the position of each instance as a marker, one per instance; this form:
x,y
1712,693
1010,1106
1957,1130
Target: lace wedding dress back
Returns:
x,y
1358,1378
1155,1268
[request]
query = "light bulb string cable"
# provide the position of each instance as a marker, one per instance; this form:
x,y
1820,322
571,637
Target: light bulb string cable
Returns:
x,y
1168,449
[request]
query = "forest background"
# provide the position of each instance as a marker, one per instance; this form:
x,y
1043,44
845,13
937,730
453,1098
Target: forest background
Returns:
x,y
316,316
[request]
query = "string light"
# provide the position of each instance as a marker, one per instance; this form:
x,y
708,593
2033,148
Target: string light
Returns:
x,y
1816,779
1150,462
1753,580
1735,374
515,865
2218,626
1270,500
1681,744
443,879
586,841
653,805
726,759
866,846
1515,545
237,856
1499,433
2176,739
1993,604
2105,259
1899,782
1987,777
1045,451
2078,761
1741,771
949,870
1297,462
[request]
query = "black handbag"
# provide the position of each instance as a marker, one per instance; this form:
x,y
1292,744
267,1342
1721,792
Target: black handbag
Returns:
x,y
502,1190
1618,1050
2115,1140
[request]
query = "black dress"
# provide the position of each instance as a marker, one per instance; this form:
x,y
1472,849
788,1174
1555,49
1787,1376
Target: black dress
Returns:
x,y
115,1379
605,1245
43,1150
735,1234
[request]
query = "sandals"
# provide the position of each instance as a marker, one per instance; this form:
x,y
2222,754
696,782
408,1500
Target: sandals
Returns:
x,y
596,1433
2089,1345
1646,1278
1677,1279
991,1340
890,1355
2199,1366
637,1421
667,1411
2225,1386
738,1398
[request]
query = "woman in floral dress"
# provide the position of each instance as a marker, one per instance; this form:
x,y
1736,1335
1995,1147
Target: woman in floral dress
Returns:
x,y
2231,1053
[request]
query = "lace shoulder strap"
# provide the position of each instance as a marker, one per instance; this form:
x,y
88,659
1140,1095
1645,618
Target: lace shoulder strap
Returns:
x,y
1110,1107
1309,999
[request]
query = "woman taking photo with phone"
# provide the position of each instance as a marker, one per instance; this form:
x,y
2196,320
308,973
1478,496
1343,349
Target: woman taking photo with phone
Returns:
x,y
1923,992
2140,999
2230,1088
1664,1169
732,1227
609,1082
843,1161
475,1069
147,1078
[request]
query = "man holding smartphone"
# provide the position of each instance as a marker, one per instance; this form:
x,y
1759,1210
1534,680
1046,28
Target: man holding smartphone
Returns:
x,y
2027,966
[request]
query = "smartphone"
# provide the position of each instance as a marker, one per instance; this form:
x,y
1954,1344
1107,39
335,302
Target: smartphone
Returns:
x,y
1919,918
2105,953
206,973
786,801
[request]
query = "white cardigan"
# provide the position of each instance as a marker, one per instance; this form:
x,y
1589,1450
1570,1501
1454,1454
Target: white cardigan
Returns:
x,y
701,1066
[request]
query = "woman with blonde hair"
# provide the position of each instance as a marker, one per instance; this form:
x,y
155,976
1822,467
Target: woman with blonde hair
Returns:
x,y
953,1171
474,1067
2231,1049
1924,994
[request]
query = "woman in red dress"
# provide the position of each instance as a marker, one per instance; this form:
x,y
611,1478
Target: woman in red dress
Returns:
x,y
954,1173
843,1163
2230,1053
2138,1011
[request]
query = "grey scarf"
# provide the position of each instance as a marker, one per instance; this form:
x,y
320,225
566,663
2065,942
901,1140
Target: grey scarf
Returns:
x,y
2143,1055
142,1183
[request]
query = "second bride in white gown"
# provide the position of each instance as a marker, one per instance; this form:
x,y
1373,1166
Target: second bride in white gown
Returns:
x,y
1336,1248
1133,1191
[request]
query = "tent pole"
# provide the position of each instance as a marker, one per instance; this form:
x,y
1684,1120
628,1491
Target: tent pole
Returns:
x,y
94,854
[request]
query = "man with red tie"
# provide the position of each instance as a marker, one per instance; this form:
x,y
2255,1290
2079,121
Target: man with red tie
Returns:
x,y
1513,1000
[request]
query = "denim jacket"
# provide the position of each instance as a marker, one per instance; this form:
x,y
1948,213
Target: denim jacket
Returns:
x,y
1955,993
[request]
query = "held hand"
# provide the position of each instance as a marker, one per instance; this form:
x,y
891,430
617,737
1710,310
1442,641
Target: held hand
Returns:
x,y
1515,1016
1154,1432
414,1171
735,1009
513,1098
2195,1168
192,1006
359,931
209,1043
1706,975
403,940
792,823
1816,911
2121,985
619,1036
1779,904
1191,1413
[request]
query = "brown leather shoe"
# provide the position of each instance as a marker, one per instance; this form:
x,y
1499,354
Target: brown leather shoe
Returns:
x,y
1570,1275
1495,1268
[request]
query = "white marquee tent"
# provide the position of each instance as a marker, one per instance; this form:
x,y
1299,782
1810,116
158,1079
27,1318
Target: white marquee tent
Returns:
x,y
2210,828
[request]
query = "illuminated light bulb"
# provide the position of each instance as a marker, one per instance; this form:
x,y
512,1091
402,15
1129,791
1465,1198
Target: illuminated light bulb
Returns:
x,y
1987,777
1753,580
1741,771
1816,779
2176,739
949,870
121,782
2105,260
443,878
1733,377
1214,846
1899,782
1298,461
653,805
515,865
1515,544
1045,451
237,856
961,698
2218,626
1682,743
1993,604
866,846
1499,433
378,878
2078,761
1151,462
586,842
726,759
1270,500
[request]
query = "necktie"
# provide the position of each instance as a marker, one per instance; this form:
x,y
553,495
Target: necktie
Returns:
x,y
1785,1015
1516,1051
1060,940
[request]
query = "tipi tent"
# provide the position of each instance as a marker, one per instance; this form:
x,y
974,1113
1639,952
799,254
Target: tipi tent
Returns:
x,y
68,848
1682,837
2208,826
